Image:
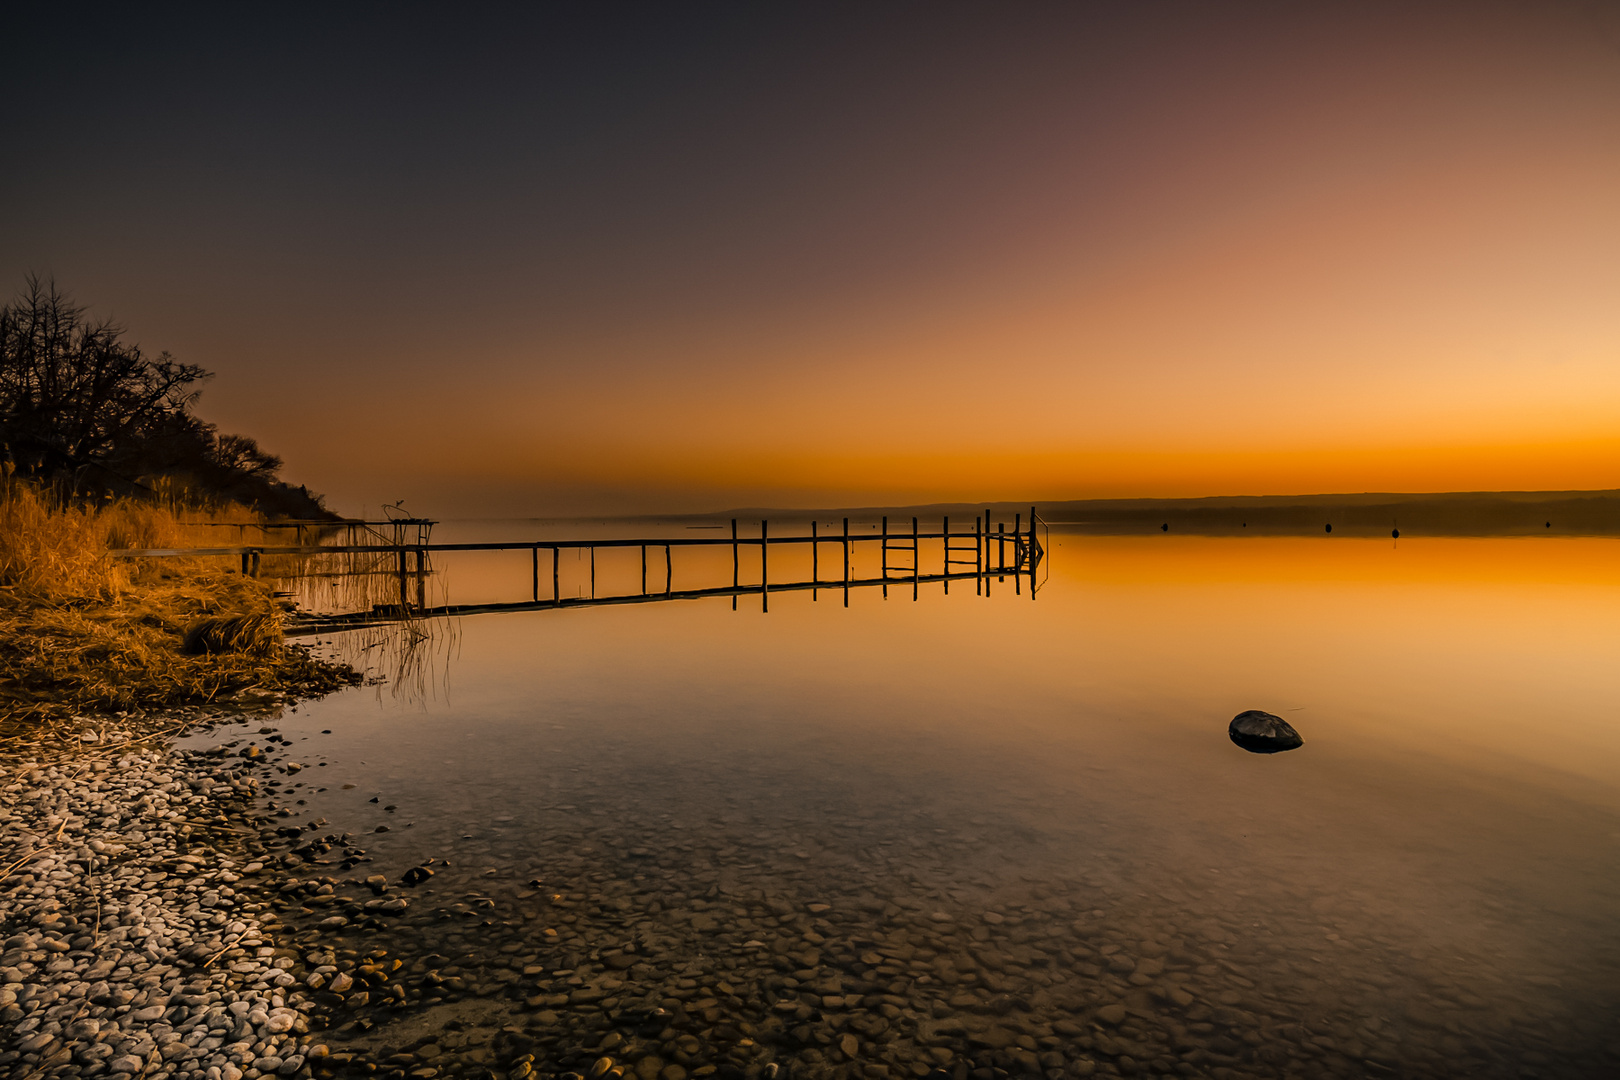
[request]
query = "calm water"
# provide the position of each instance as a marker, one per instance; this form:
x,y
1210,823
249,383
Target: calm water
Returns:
x,y
1038,849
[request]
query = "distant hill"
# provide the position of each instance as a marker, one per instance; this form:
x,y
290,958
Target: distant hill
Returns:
x,y
1459,513
1464,513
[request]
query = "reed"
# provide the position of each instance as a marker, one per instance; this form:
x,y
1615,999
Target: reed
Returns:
x,y
82,632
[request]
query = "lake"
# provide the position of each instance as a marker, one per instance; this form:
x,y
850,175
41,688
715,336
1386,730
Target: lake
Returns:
x,y
1004,835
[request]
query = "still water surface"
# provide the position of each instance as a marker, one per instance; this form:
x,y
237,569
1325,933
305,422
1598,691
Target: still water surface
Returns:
x,y
1039,850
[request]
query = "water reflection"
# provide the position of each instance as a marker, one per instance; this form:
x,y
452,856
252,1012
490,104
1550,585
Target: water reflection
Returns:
x,y
1030,832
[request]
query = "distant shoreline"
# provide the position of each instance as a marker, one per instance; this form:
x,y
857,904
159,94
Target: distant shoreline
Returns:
x,y
1505,513
1462,513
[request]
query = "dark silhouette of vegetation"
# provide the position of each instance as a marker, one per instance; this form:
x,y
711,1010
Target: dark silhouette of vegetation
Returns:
x,y
91,415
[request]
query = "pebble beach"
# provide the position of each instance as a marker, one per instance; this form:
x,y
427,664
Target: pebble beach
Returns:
x,y
165,915
133,945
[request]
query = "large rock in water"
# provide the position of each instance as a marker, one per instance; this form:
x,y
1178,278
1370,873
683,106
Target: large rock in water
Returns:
x,y
1261,733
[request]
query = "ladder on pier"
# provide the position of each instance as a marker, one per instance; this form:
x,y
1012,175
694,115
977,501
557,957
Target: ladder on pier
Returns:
x,y
899,542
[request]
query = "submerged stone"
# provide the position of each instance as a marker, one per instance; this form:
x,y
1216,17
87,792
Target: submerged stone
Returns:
x,y
1262,733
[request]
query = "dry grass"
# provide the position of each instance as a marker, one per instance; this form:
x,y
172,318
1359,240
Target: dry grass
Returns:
x,y
253,635
53,551
81,632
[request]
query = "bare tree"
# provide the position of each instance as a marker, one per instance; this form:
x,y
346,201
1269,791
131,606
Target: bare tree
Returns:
x,y
82,408
72,393
243,455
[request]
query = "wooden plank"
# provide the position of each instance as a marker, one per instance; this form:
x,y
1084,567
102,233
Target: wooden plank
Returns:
x,y
389,549
518,545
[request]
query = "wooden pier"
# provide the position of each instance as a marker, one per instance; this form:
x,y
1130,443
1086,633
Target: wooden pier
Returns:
x,y
991,550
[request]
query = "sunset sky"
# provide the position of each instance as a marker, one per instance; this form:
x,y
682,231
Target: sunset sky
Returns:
x,y
540,260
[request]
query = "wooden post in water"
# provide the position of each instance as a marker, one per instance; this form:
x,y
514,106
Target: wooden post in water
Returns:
x,y
1018,525
669,568
421,579
945,532
815,558
764,566
734,571
988,570
1031,550
846,562
556,591
593,573
404,587
535,595
916,561
885,542
1018,531
978,556
643,569
1001,550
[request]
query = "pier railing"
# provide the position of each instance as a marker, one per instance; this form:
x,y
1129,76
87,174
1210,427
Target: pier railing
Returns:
x,y
992,550
384,532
